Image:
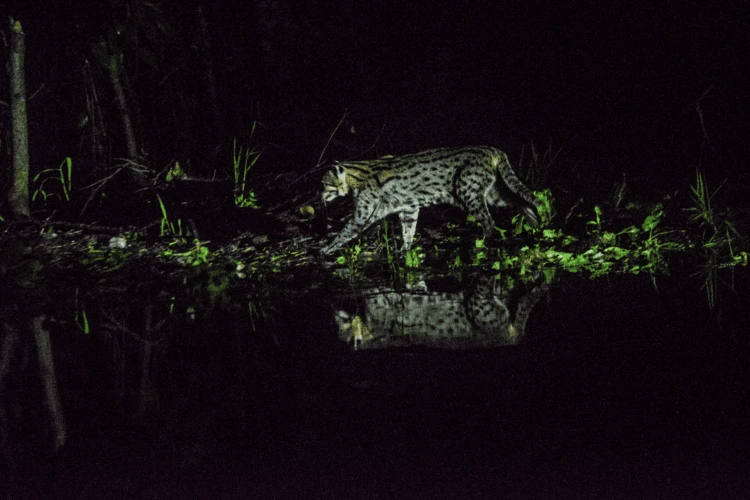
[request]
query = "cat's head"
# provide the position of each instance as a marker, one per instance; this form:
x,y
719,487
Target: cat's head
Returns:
x,y
335,183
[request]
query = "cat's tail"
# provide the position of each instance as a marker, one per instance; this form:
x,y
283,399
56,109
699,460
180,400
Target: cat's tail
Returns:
x,y
512,189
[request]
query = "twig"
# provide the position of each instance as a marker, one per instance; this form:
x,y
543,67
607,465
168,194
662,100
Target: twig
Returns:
x,y
117,326
41,87
377,138
330,139
161,82
99,184
320,158
700,111
90,227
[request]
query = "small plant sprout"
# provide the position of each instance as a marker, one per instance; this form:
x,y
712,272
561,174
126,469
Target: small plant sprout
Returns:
x,y
167,226
595,226
717,239
64,176
350,257
243,160
546,206
618,193
81,319
175,172
414,257
386,241
481,253
702,212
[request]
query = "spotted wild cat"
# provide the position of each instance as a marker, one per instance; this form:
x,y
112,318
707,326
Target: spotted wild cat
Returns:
x,y
482,315
465,177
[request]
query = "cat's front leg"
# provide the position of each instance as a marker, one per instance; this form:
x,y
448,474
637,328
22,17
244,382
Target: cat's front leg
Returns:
x,y
408,219
364,215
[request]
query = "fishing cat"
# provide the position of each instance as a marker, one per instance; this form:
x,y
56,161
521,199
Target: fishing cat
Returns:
x,y
466,177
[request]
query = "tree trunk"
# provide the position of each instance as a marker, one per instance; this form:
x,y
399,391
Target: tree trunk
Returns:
x,y
122,108
148,400
109,58
18,194
10,340
49,381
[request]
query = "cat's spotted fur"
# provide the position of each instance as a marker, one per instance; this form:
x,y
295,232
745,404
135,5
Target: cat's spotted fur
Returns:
x,y
472,178
479,316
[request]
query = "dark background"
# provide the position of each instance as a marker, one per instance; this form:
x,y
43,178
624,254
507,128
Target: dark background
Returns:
x,y
616,87
621,89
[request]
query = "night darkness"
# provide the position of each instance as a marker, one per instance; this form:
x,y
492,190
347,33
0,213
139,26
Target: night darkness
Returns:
x,y
615,88
623,378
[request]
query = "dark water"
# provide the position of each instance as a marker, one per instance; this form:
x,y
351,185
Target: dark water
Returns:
x,y
615,390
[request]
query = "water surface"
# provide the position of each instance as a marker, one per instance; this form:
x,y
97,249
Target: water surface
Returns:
x,y
610,388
